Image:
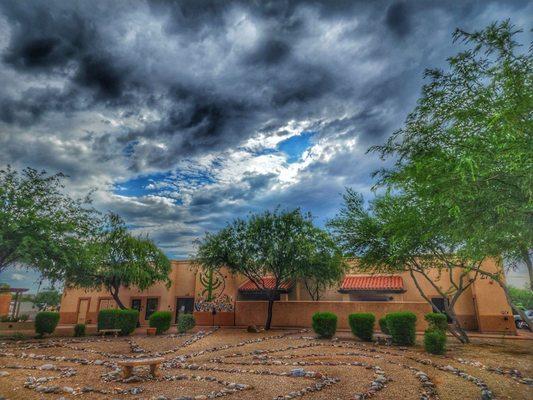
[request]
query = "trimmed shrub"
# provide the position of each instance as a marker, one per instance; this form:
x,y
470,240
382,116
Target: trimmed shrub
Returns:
x,y
383,325
79,330
161,321
362,325
46,322
125,320
437,321
401,327
325,324
435,341
185,322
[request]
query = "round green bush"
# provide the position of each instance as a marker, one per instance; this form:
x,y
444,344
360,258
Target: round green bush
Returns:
x,y
435,341
402,327
325,324
46,322
185,322
383,325
362,325
79,330
437,321
161,321
125,320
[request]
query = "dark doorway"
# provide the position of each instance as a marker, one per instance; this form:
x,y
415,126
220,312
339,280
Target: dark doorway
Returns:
x,y
439,303
151,306
184,305
136,305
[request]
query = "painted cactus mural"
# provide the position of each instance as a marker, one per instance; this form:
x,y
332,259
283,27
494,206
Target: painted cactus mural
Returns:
x,y
213,282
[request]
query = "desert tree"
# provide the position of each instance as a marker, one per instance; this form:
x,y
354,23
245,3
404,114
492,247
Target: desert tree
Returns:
x,y
280,245
117,258
41,225
468,146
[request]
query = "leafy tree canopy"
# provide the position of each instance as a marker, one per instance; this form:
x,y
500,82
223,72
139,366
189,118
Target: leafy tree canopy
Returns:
x,y
120,259
41,226
467,147
281,244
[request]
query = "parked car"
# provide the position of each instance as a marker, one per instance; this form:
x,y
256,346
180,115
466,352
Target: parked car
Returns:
x,y
518,320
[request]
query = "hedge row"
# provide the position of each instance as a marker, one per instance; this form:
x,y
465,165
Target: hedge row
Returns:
x,y
125,320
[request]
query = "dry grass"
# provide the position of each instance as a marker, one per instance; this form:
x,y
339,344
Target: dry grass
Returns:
x,y
279,355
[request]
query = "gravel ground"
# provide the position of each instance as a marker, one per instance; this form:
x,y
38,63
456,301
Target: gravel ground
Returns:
x,y
277,364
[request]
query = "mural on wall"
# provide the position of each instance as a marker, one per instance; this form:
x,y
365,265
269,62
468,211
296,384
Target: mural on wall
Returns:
x,y
212,296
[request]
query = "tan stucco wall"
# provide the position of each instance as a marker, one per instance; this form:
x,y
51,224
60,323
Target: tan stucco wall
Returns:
x,y
299,313
5,300
482,306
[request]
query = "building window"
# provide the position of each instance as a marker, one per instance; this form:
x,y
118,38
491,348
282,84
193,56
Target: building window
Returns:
x,y
151,306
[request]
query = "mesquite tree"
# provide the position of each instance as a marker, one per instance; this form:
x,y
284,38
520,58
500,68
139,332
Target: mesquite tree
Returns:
x,y
119,259
276,244
397,234
467,146
41,226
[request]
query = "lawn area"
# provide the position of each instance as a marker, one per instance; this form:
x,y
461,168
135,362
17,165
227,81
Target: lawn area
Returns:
x,y
275,364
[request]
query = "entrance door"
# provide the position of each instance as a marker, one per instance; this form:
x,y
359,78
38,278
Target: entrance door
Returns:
x,y
136,305
439,303
82,311
151,307
184,305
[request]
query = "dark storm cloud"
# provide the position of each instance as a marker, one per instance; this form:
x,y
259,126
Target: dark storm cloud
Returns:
x,y
106,91
397,18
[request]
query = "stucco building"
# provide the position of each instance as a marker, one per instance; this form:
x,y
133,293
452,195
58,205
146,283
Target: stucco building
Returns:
x,y
237,301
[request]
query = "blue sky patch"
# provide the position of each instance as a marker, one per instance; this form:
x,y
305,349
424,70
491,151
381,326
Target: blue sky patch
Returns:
x,y
295,146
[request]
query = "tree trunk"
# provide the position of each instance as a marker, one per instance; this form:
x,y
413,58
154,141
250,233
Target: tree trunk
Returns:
x,y
522,314
269,314
527,259
461,333
114,294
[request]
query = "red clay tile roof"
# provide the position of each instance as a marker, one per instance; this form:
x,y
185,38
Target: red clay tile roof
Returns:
x,y
268,283
389,283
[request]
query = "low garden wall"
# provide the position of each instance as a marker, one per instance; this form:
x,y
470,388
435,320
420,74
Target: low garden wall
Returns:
x,y
205,318
299,313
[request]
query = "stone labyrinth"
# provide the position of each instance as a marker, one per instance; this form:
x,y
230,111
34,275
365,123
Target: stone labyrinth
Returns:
x,y
288,365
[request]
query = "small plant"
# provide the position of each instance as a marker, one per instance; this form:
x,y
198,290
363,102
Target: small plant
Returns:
x,y
438,321
435,341
161,321
185,322
325,324
46,322
383,325
402,327
125,320
79,330
24,317
362,325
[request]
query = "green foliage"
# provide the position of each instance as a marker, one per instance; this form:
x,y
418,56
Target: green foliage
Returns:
x,y
278,244
120,259
161,320
435,341
522,298
185,322
46,322
466,147
437,321
79,330
402,327
42,226
362,325
125,320
383,325
47,298
325,324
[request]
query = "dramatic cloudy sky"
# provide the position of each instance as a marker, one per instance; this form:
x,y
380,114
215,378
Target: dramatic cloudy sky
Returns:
x,y
182,115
